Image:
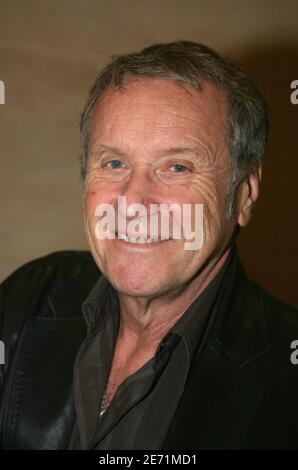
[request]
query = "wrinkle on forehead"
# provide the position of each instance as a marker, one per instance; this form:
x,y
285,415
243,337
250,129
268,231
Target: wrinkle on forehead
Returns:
x,y
155,90
149,115
151,92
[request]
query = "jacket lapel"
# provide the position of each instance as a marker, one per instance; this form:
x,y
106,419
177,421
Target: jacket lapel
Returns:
x,y
218,405
40,395
226,380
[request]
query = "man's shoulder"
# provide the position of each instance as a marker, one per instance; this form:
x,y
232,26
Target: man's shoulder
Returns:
x,y
26,292
273,306
280,317
52,269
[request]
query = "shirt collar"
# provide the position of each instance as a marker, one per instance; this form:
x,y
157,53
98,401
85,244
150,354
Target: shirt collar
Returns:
x,y
101,302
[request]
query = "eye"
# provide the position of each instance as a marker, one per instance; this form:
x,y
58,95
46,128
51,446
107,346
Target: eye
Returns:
x,y
177,168
115,164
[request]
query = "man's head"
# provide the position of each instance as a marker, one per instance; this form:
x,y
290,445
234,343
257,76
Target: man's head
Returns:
x,y
173,124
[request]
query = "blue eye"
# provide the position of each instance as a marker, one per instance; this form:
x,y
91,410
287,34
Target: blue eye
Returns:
x,y
115,164
179,168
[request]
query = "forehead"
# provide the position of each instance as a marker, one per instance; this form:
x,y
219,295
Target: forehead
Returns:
x,y
157,109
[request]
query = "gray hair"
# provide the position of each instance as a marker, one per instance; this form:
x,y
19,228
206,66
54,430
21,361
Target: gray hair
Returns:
x,y
192,63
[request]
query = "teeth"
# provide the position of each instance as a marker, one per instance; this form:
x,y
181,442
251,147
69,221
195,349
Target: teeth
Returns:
x,y
146,240
122,236
139,240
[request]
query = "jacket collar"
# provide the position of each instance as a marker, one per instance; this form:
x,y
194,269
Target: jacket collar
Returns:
x,y
67,299
240,325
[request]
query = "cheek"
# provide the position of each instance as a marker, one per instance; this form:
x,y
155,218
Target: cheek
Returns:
x,y
213,200
91,200
213,195
97,193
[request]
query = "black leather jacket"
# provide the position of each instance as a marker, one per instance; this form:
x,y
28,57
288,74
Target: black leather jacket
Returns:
x,y
241,392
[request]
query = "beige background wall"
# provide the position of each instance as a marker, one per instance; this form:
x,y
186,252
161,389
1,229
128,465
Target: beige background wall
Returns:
x,y
49,53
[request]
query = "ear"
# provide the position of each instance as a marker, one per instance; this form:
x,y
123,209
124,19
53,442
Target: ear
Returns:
x,y
248,193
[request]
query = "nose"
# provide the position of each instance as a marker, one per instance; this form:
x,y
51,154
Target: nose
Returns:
x,y
139,188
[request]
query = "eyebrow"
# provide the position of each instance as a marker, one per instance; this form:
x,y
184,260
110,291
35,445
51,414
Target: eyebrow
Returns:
x,y
101,149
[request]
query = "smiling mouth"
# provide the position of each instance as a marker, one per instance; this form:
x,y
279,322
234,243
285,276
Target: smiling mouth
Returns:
x,y
140,239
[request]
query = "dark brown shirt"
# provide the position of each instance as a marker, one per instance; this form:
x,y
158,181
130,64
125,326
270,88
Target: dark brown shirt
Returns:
x,y
143,406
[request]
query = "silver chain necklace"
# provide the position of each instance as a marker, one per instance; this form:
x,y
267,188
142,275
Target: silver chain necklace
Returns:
x,y
103,405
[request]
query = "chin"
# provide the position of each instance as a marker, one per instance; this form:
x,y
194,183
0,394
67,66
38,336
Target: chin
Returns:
x,y
133,284
134,281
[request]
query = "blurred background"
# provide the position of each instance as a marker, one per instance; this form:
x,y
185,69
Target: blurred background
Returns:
x,y
50,51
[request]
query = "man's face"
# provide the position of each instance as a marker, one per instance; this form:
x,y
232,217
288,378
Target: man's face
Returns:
x,y
156,142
